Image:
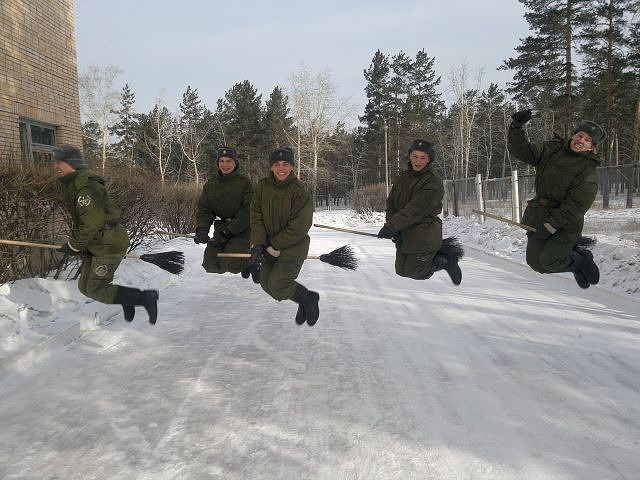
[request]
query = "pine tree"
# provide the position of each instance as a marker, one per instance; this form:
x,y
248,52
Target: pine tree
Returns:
x,y
277,123
91,138
376,110
241,115
426,105
399,92
544,67
607,83
125,126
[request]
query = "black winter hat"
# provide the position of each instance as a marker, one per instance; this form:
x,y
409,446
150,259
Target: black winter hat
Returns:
x,y
284,154
69,155
228,152
423,146
595,131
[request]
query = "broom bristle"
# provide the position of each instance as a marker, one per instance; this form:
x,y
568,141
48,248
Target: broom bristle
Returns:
x,y
451,247
342,257
172,262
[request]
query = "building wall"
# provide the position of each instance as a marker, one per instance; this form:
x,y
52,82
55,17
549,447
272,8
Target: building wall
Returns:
x,y
38,71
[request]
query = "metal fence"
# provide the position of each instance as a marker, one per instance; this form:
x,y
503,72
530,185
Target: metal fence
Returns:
x,y
618,187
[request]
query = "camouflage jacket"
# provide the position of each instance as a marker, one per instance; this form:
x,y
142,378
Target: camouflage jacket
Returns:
x,y
96,226
281,216
566,182
413,206
227,197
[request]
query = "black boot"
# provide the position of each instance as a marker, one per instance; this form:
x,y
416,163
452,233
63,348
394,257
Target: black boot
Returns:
x,y
584,269
299,297
307,305
150,302
245,272
588,267
128,297
447,258
450,264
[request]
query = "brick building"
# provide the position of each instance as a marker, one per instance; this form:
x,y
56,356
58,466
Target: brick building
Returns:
x,y
39,105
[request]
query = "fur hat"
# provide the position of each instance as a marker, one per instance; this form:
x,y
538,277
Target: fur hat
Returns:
x,y
595,131
230,153
69,155
284,154
423,146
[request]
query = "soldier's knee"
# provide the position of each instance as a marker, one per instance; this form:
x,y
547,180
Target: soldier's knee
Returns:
x,y
279,289
553,261
212,268
89,290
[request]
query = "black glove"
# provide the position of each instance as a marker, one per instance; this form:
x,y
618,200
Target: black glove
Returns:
x,y
202,235
67,250
385,232
220,238
257,253
544,232
521,117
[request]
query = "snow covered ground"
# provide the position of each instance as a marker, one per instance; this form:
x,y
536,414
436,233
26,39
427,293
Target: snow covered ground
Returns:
x,y
511,375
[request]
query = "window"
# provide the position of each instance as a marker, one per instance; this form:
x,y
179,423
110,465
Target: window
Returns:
x,y
37,141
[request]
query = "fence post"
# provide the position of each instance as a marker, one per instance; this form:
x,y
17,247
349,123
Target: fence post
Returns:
x,y
515,197
456,212
480,197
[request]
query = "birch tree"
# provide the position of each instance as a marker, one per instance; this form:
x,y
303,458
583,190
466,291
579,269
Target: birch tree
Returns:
x,y
158,130
99,99
465,99
316,112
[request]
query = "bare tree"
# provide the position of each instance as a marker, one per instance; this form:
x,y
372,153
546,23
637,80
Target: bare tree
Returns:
x,y
316,111
194,129
99,99
159,135
465,100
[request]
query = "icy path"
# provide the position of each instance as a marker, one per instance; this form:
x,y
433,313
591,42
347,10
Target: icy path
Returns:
x,y
504,377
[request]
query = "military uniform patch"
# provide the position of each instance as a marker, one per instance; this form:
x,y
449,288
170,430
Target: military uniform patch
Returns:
x,y
101,270
84,200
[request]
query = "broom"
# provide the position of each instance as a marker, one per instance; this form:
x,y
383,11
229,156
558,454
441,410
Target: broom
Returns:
x,y
342,257
584,242
172,262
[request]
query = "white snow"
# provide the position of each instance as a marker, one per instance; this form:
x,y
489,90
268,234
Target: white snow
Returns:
x,y
511,375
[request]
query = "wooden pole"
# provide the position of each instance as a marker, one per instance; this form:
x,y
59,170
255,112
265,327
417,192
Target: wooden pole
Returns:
x,y
345,230
506,220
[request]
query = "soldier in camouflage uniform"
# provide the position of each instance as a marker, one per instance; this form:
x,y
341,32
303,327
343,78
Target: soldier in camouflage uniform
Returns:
x,y
97,235
281,216
566,185
226,197
412,221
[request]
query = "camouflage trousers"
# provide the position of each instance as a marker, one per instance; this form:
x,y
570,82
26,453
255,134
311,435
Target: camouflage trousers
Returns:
x,y
214,264
552,255
96,277
277,276
418,266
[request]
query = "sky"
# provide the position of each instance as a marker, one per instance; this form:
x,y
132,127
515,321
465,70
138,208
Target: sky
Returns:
x,y
512,375
163,46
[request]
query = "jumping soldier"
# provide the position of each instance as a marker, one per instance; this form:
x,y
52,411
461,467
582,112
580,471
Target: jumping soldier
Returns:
x,y
226,196
412,220
281,216
566,185
97,235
